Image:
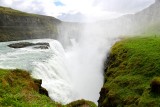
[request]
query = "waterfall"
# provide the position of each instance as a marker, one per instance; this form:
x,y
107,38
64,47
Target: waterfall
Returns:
x,y
55,75
68,75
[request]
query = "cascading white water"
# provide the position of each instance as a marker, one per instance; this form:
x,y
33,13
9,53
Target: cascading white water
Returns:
x,y
68,75
85,61
55,75
48,65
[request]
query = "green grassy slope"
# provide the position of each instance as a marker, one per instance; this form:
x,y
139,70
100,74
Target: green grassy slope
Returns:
x,y
132,74
10,11
81,103
18,89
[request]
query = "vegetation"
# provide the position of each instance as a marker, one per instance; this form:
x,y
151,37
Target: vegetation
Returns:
x,y
18,89
9,11
132,77
81,103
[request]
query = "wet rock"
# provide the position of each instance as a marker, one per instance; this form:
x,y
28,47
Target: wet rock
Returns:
x,y
103,96
40,45
43,91
38,81
21,45
40,89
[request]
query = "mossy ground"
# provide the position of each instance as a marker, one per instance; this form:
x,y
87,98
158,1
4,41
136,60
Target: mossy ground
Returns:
x,y
81,103
133,65
18,89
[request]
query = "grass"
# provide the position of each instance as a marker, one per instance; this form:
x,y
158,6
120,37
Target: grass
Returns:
x,y
81,103
131,73
18,89
10,11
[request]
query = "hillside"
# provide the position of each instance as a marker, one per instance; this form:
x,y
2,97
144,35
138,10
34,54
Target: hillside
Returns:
x,y
132,67
132,74
133,24
17,25
18,89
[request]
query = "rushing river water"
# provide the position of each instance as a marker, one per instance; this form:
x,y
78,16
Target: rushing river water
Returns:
x,y
67,75
46,64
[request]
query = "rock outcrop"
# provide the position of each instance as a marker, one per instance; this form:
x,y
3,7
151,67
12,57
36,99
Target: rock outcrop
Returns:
x,y
40,45
17,25
39,88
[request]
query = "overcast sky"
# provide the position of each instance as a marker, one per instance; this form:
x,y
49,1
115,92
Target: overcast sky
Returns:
x,y
79,10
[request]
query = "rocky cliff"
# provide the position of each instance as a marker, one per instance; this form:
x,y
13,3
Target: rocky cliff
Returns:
x,y
132,67
17,25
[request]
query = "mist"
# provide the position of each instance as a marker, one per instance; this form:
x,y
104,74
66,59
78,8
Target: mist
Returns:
x,y
87,46
85,56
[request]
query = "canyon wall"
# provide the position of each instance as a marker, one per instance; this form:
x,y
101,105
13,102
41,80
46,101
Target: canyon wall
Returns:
x,y
17,25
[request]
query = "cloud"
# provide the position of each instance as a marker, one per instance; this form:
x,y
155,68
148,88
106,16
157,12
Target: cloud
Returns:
x,y
124,6
72,9
77,17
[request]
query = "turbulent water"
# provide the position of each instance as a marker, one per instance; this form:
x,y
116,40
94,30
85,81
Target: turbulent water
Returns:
x,y
47,64
66,74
